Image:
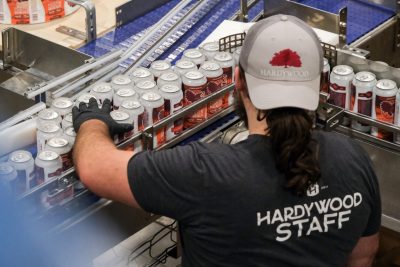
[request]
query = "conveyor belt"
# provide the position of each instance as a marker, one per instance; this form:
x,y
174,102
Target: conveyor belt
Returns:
x,y
362,17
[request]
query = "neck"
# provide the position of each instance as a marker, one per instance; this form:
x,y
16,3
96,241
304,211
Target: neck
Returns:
x,y
255,126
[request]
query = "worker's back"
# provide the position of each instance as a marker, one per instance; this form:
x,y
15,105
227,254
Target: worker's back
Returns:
x,y
234,210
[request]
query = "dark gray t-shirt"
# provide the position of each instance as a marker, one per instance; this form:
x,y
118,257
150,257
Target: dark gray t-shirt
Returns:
x,y
233,209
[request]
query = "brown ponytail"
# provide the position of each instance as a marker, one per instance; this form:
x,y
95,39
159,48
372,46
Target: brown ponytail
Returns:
x,y
296,153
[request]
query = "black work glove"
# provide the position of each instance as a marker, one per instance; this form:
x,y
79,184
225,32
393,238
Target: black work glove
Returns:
x,y
93,112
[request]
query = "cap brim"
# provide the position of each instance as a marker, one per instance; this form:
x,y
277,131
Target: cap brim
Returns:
x,y
267,94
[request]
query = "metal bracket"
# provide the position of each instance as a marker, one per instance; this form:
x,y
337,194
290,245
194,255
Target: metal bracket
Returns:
x,y
90,8
8,47
244,9
72,32
329,116
342,27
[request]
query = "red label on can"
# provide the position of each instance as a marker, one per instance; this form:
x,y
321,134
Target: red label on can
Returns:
x,y
365,103
158,114
213,85
228,78
178,124
384,111
19,11
324,84
66,160
141,121
191,95
54,9
337,95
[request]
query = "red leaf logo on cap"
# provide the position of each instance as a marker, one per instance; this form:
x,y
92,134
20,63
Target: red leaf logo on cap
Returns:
x,y
286,58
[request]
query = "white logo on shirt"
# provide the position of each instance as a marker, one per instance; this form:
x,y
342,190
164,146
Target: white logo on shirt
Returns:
x,y
313,190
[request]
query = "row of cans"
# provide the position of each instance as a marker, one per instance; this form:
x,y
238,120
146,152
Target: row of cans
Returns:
x,y
363,93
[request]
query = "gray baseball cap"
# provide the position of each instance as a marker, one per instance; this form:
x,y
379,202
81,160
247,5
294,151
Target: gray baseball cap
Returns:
x,y
282,59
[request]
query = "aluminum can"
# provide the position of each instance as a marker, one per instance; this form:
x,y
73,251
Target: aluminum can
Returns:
x,y
121,117
362,88
121,81
124,94
24,164
84,98
216,80
381,70
194,89
358,64
236,55
136,112
397,117
141,74
67,121
57,196
146,87
45,132
173,102
396,75
383,106
184,66
194,55
48,115
324,87
48,166
170,78
61,146
70,135
9,177
62,106
210,49
340,83
102,91
153,105
159,67
227,63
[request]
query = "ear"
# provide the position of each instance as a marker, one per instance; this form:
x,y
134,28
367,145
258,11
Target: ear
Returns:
x,y
238,80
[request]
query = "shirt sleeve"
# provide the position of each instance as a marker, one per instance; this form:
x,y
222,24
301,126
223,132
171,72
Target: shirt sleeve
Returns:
x,y
168,182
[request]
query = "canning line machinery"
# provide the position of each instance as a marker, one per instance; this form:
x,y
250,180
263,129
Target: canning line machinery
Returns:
x,y
35,71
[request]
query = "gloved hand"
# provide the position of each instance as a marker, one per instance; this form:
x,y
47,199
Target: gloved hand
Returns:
x,y
93,112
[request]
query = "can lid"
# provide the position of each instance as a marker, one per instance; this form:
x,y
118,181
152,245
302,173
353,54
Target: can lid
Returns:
x,y
102,88
70,131
210,66
20,156
223,56
85,98
194,75
141,73
48,155
118,115
48,114
211,47
62,103
146,85
68,117
343,70
126,92
49,127
121,80
365,76
131,104
193,53
386,84
185,64
58,142
6,168
151,96
170,88
169,76
160,65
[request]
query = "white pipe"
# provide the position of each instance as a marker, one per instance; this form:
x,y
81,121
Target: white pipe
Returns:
x,y
18,136
75,73
22,116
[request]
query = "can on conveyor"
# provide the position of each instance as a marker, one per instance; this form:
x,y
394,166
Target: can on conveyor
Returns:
x,y
227,63
173,102
194,55
45,132
362,89
216,80
84,98
159,67
184,66
121,81
210,49
340,84
171,78
141,74
136,112
67,121
383,106
102,91
124,94
121,117
9,177
48,115
62,106
48,166
146,87
24,164
61,146
153,105
70,135
324,86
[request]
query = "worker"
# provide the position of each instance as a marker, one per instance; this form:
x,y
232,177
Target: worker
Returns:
x,y
289,195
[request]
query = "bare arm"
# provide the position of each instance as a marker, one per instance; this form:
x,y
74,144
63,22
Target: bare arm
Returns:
x,y
100,165
364,252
